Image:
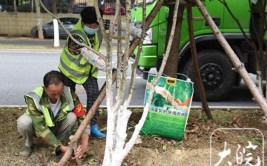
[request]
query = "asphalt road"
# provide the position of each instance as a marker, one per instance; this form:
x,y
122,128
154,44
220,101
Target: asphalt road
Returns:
x,y
22,69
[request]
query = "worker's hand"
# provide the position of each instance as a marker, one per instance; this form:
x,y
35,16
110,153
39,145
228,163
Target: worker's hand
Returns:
x,y
74,50
82,146
135,32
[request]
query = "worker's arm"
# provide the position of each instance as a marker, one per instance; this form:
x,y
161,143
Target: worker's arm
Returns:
x,y
90,56
93,58
73,47
80,112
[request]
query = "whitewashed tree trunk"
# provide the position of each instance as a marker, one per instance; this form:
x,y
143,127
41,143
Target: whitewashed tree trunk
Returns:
x,y
118,114
117,118
116,146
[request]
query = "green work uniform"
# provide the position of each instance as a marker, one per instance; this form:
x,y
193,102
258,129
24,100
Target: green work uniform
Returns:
x,y
42,117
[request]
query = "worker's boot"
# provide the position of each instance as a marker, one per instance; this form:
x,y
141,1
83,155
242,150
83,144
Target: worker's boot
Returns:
x,y
96,133
26,151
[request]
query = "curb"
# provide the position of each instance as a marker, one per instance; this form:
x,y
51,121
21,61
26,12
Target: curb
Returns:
x,y
141,107
40,47
35,43
9,47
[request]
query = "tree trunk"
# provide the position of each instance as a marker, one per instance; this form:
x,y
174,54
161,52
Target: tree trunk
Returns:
x,y
172,62
149,19
39,20
116,149
73,139
71,6
239,66
54,7
251,42
15,6
199,82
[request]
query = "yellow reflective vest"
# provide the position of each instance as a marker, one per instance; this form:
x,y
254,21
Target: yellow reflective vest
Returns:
x,y
36,96
76,67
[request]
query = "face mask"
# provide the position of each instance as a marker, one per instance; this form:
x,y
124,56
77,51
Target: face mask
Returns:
x,y
90,31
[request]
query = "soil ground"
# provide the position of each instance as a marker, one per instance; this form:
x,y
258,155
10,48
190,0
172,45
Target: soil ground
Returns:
x,y
194,150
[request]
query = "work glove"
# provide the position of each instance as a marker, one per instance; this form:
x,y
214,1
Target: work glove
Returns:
x,y
93,58
134,31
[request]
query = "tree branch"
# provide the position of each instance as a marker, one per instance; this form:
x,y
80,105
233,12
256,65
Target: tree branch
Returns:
x,y
69,34
239,66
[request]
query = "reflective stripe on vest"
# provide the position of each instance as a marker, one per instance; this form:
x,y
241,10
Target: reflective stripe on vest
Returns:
x,y
76,67
36,96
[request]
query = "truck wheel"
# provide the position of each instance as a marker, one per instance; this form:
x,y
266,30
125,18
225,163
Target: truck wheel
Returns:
x,y
216,72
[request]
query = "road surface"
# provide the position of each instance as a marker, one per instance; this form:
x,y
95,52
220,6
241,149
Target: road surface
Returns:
x,y
23,70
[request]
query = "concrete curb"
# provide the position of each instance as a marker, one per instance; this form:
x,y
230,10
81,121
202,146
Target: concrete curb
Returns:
x,y
8,47
140,107
34,43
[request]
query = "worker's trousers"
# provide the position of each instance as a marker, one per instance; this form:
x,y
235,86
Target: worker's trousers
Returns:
x,y
62,130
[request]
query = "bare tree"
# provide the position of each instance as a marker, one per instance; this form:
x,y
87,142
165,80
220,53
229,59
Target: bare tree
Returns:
x,y
15,6
258,27
249,41
198,77
257,30
172,62
54,6
122,110
238,65
233,57
39,20
118,113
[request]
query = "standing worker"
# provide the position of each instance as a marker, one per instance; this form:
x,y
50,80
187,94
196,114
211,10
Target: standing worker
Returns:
x,y
74,65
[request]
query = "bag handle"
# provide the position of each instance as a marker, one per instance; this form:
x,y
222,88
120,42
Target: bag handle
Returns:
x,y
171,81
184,77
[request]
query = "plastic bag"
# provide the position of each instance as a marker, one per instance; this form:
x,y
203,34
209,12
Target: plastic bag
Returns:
x,y
93,58
170,107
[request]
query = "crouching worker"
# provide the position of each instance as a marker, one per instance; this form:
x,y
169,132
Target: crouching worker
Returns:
x,y
52,112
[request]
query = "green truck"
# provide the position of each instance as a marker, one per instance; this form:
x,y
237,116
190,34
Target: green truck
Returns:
x,y
215,66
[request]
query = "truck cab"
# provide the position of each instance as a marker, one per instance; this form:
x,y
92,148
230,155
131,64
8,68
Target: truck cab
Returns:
x,y
214,65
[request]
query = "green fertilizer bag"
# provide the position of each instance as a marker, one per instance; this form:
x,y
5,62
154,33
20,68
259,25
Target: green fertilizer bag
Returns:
x,y
170,107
